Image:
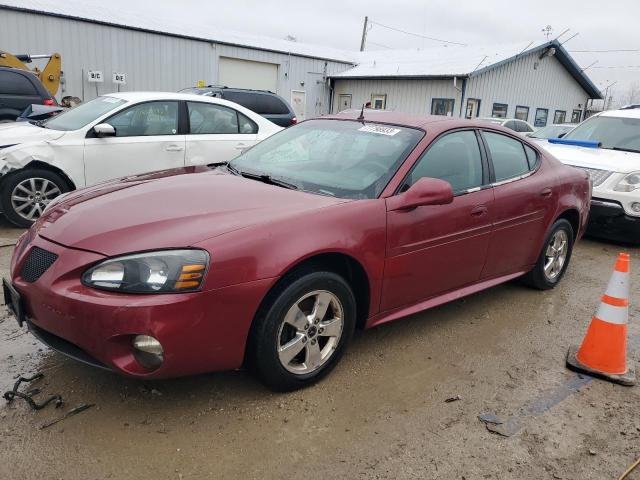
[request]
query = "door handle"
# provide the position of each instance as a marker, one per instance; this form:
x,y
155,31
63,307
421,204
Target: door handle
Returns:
x,y
546,193
174,148
479,211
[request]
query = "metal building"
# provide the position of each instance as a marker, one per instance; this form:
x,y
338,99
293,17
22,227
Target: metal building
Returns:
x,y
164,56
539,83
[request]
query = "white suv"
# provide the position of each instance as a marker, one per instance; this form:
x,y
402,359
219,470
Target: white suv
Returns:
x,y
118,135
607,146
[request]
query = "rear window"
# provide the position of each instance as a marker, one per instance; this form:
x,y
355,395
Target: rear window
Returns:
x,y
261,103
507,155
12,83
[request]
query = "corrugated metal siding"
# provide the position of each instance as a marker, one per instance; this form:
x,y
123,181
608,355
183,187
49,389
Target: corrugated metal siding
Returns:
x,y
403,95
151,61
548,85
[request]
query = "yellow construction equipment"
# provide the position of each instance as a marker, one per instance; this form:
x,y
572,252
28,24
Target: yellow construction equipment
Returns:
x,y
49,75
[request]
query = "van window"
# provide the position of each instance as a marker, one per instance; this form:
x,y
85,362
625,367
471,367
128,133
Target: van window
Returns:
x,y
12,83
261,103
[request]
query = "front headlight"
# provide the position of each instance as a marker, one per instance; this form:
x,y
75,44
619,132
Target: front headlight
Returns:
x,y
629,183
166,271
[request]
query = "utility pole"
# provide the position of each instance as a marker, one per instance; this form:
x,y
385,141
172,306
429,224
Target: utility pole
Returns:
x,y
364,33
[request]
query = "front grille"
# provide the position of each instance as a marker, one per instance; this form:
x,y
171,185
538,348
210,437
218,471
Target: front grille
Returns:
x,y
597,176
38,261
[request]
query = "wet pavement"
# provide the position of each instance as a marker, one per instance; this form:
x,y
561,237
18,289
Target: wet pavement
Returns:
x,y
382,413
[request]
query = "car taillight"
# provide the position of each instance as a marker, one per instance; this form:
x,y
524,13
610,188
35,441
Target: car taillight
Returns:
x,y
48,101
294,120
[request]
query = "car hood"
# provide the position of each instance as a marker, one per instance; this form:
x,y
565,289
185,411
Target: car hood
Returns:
x,y
599,158
169,209
22,132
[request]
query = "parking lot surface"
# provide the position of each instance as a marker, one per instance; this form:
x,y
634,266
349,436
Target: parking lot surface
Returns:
x,y
403,403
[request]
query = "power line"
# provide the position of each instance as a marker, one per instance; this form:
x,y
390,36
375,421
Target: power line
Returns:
x,y
417,34
619,66
605,51
380,45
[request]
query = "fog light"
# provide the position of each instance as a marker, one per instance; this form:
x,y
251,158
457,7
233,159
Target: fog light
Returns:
x,y
148,351
635,206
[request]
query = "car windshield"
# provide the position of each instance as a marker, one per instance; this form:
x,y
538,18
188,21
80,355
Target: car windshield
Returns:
x,y
550,131
83,114
346,159
620,133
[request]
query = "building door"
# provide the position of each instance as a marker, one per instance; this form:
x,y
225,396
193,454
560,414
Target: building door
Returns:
x,y
238,73
473,108
344,102
299,103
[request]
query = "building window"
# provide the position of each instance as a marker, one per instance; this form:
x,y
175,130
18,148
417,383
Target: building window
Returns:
x,y
522,113
379,101
473,108
559,116
499,110
541,117
575,116
442,106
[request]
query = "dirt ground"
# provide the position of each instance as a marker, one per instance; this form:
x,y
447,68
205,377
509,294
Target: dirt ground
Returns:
x,y
381,414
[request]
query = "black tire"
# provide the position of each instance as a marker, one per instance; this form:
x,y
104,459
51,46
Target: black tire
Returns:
x,y
537,278
11,181
265,336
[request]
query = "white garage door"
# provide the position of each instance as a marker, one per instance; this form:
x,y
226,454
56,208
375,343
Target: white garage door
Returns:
x,y
237,73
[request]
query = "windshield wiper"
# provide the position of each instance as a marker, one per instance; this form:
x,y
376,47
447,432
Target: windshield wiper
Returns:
x,y
262,177
620,149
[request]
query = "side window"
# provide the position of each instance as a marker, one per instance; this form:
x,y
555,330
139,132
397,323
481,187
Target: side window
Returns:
x,y
532,156
442,106
511,124
522,113
454,158
508,156
270,105
246,124
559,116
247,100
15,84
208,118
523,127
145,119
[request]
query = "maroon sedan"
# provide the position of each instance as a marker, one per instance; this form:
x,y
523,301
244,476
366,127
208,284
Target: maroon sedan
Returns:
x,y
272,260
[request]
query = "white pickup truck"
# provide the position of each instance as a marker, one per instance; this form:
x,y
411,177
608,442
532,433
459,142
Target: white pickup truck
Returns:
x,y
607,146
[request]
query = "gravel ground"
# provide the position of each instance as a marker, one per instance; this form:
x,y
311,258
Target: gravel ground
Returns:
x,y
382,413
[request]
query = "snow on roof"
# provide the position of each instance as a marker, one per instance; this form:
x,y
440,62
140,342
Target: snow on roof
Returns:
x,y
440,61
191,26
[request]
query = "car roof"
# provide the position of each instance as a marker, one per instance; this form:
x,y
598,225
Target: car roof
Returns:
x,y
409,120
232,89
622,113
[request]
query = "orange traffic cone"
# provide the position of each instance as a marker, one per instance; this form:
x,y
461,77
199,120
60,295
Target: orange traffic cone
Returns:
x,y
603,352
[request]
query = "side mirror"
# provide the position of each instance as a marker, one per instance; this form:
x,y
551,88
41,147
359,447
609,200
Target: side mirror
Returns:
x,y
426,191
104,130
562,135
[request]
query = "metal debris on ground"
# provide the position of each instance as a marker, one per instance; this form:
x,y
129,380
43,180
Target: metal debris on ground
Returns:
x,y
10,395
453,399
70,413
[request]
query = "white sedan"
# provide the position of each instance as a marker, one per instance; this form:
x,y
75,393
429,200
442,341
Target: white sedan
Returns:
x,y
114,136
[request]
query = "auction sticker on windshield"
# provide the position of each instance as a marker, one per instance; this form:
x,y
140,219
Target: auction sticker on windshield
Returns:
x,y
379,129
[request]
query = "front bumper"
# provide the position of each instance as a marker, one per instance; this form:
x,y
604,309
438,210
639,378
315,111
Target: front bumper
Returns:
x,y
199,331
607,219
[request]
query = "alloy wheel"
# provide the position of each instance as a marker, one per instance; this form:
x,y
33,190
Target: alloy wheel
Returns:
x,y
30,197
310,332
556,254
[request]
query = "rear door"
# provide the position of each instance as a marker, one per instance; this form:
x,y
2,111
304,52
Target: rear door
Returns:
x,y
147,139
434,249
524,198
217,133
17,92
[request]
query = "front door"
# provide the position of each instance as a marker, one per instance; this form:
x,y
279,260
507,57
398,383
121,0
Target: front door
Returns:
x,y
344,102
434,249
299,103
217,133
473,108
146,140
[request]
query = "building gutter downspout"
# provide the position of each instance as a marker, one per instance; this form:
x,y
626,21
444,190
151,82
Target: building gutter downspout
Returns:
x,y
462,91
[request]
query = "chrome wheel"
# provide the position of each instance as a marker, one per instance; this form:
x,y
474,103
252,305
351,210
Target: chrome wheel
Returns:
x,y
30,197
556,254
310,332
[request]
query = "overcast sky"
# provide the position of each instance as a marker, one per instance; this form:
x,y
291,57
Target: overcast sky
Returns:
x,y
601,25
